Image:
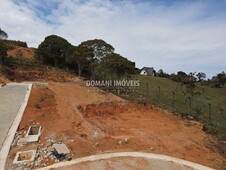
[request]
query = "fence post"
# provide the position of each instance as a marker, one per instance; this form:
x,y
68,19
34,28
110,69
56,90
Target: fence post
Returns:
x,y
189,105
222,111
159,92
173,99
209,111
147,89
118,90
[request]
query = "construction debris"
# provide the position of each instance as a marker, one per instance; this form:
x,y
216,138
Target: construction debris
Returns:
x,y
61,152
22,141
51,152
61,148
33,133
18,135
122,141
25,156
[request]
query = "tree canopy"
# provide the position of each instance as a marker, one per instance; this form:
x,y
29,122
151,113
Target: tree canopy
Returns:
x,y
79,57
3,52
3,34
161,73
53,50
100,48
116,64
92,57
201,76
221,77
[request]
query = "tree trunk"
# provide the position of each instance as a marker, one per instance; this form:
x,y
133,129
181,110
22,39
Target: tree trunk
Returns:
x,y
56,62
79,69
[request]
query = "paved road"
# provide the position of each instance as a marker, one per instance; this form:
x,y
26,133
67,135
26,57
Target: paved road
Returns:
x,y
130,163
127,160
11,97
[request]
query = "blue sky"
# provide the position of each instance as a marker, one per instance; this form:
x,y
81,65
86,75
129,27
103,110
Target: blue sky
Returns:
x,y
188,35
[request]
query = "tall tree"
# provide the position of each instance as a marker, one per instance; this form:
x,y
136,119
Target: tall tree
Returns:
x,y
79,57
53,50
116,64
100,48
161,73
201,76
221,77
3,52
3,34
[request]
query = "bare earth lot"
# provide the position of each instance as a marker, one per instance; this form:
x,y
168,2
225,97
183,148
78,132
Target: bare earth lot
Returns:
x,y
91,122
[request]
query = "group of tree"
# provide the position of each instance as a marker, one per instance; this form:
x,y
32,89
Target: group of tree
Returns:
x,y
3,34
193,77
3,50
94,58
161,73
218,80
182,76
52,51
97,59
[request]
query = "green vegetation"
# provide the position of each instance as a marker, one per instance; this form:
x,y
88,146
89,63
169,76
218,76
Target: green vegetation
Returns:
x,y
52,50
188,94
203,103
18,61
10,43
161,73
3,34
99,47
116,66
37,106
79,57
92,57
42,99
3,53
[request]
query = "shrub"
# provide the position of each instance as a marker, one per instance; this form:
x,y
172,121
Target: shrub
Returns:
x,y
37,106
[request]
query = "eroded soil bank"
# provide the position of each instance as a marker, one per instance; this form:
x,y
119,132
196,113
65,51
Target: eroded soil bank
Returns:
x,y
89,122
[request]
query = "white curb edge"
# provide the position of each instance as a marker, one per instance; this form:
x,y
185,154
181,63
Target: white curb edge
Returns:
x,y
11,133
195,166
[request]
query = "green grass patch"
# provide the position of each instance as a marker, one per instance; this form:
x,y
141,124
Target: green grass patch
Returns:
x,y
205,104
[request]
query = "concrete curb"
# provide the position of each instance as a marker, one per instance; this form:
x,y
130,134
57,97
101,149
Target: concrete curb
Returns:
x,y
10,136
129,154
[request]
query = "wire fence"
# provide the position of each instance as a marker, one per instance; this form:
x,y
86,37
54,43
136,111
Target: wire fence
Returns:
x,y
212,115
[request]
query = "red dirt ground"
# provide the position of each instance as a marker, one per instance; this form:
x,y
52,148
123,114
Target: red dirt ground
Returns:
x,y
24,52
107,123
44,74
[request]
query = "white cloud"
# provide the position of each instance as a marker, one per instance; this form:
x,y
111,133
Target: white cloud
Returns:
x,y
180,36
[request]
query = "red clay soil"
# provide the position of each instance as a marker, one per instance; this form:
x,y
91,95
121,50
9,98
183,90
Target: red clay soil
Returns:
x,y
24,52
92,122
3,79
20,74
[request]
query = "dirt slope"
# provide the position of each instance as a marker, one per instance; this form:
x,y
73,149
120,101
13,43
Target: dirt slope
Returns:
x,y
22,52
107,123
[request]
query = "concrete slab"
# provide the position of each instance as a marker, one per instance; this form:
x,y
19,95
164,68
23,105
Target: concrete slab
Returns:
x,y
22,141
33,133
14,99
61,148
11,98
24,156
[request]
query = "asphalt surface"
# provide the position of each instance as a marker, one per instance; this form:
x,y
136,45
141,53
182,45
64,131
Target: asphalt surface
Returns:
x,y
11,98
